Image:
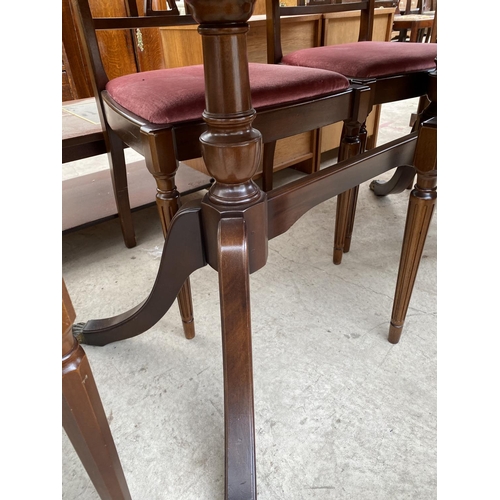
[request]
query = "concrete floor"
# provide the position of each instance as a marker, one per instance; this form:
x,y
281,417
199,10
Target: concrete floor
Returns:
x,y
340,413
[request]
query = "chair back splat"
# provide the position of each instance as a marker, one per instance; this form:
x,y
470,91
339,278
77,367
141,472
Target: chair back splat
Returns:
x,y
89,27
274,12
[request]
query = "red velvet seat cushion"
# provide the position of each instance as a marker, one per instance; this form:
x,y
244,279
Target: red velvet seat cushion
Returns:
x,y
367,59
178,94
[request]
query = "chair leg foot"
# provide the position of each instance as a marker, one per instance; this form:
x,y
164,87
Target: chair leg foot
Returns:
x,y
395,333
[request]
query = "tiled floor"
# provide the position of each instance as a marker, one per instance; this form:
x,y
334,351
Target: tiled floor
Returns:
x,y
340,413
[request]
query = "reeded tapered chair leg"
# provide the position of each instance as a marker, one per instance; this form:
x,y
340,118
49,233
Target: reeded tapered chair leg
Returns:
x,y
420,209
363,135
344,202
349,146
83,416
118,170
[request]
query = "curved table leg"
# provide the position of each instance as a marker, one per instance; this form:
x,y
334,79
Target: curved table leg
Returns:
x,y
234,286
405,174
402,178
183,253
420,210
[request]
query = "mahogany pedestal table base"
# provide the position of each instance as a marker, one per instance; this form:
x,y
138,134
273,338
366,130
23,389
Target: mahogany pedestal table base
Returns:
x,y
230,228
193,233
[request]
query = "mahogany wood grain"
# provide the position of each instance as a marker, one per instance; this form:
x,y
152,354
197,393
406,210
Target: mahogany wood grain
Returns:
x,y
398,183
241,474
288,203
351,209
187,244
234,221
182,46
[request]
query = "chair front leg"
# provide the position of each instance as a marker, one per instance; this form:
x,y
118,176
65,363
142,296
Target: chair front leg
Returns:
x,y
420,209
161,162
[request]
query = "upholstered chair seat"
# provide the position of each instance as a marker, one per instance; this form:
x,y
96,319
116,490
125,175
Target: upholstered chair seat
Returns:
x,y
176,95
367,59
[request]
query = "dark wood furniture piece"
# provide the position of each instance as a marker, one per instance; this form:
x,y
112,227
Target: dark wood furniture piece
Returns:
x,y
159,113
229,229
182,47
122,54
419,21
83,416
88,199
418,25
159,145
392,71
421,205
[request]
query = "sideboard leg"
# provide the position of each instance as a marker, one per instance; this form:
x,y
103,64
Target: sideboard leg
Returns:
x,y
83,416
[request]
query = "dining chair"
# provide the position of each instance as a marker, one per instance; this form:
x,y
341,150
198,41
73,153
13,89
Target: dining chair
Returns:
x,y
392,71
230,228
420,22
83,415
160,113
